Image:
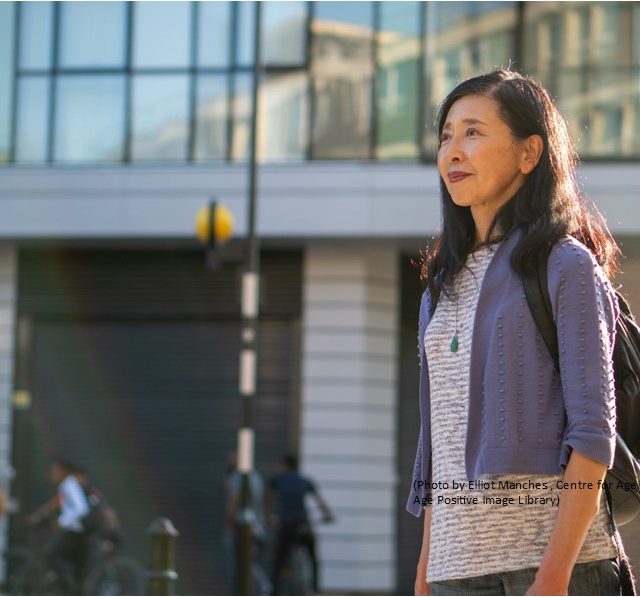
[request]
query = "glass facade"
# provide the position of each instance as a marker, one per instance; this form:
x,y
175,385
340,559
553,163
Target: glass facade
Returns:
x,y
342,72
85,82
586,53
93,35
398,63
7,29
89,123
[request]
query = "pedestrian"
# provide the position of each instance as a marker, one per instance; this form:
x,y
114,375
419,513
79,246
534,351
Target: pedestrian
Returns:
x,y
511,454
292,519
233,512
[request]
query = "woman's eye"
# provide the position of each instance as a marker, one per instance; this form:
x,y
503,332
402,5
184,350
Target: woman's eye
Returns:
x,y
443,137
472,131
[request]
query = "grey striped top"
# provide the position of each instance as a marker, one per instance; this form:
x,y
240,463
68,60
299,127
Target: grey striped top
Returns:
x,y
476,530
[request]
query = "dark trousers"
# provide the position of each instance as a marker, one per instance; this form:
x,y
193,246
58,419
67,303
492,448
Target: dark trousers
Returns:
x,y
290,533
66,555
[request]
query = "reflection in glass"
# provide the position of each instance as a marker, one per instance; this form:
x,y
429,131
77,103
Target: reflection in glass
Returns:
x,y
284,38
92,34
246,16
602,107
35,34
89,118
211,118
463,38
214,30
580,52
32,106
160,117
242,105
342,67
7,16
397,80
284,117
161,34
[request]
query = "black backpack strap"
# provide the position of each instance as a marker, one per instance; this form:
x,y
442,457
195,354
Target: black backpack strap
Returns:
x,y
625,574
537,294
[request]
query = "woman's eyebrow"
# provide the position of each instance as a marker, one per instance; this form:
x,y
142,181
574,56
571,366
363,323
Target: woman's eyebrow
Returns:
x,y
465,121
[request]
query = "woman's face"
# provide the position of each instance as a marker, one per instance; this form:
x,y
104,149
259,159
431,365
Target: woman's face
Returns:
x,y
481,164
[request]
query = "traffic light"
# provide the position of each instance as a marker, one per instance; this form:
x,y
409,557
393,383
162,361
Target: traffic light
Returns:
x,y
214,227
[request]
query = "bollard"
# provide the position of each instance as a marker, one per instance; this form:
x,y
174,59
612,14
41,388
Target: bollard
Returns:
x,y
161,576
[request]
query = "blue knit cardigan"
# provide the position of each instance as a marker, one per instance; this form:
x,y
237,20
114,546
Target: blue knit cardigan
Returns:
x,y
524,417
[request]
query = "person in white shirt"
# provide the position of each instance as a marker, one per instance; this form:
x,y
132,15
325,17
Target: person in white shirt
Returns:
x,y
67,549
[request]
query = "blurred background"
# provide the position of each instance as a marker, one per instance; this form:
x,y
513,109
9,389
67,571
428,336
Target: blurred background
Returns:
x,y
119,120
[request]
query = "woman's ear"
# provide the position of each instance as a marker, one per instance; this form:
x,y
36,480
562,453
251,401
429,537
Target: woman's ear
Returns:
x,y
531,152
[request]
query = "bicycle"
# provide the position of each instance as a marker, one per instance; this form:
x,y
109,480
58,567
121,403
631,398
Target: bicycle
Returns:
x,y
107,572
297,575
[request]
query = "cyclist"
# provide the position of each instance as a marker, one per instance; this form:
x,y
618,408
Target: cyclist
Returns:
x,y
291,489
66,552
102,518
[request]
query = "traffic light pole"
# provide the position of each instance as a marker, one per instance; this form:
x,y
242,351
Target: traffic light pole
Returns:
x,y
248,351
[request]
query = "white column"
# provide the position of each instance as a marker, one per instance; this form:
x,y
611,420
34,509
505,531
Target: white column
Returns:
x,y
348,410
8,281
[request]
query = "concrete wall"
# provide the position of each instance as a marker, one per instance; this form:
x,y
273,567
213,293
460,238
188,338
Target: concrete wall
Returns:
x,y
349,408
320,199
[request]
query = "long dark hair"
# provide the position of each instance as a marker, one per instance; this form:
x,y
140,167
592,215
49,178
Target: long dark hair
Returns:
x,y
547,206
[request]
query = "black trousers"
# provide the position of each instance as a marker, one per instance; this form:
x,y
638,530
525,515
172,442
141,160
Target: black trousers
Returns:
x,y
66,555
290,533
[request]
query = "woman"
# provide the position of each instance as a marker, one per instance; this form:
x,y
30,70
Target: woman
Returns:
x,y
511,454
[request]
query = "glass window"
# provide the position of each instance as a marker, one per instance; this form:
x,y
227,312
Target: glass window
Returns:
x,y
211,117
635,37
342,68
214,31
600,102
245,26
612,40
602,107
32,108
284,117
284,26
35,35
92,34
160,117
464,39
397,80
242,104
162,34
7,17
89,118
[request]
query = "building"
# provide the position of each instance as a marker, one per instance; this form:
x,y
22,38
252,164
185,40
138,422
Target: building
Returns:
x,y
118,121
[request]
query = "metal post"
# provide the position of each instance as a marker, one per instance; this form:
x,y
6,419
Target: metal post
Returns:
x,y
248,351
162,576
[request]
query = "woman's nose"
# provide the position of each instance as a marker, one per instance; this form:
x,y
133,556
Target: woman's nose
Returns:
x,y
453,150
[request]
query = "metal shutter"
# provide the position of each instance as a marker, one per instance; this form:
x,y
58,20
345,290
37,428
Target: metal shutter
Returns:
x,y
132,366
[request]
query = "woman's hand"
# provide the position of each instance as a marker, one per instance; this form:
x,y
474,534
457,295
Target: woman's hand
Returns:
x,y
421,586
547,586
577,509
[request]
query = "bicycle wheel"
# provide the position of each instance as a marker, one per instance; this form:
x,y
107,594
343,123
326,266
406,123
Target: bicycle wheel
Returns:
x,y
301,571
23,574
118,575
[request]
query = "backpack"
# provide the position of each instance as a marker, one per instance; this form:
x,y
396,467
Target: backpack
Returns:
x,y
95,520
622,487
625,473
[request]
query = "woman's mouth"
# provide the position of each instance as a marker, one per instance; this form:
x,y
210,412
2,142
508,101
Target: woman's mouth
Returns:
x,y
458,176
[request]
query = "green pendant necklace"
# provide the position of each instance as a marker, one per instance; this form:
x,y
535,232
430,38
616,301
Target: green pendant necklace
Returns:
x,y
454,339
